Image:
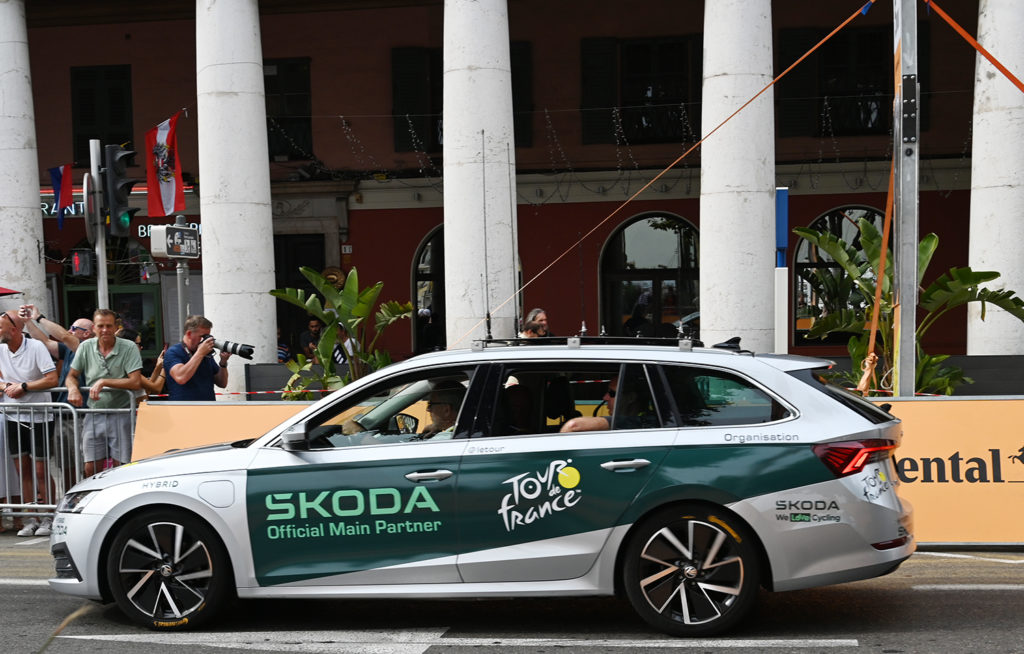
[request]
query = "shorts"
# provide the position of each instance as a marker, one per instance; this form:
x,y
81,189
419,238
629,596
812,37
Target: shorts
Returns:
x,y
107,436
29,439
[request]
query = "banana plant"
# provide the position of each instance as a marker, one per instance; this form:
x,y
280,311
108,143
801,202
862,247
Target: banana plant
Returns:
x,y
846,300
344,312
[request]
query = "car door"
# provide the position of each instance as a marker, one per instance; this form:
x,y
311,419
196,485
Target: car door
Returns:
x,y
534,503
373,499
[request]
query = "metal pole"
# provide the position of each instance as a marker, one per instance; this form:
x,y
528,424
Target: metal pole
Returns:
x,y
102,292
182,277
906,134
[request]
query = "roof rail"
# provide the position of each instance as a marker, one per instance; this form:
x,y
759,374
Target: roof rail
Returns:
x,y
581,341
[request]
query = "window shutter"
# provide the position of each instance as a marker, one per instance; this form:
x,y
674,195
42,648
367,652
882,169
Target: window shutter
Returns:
x,y
599,64
410,89
522,93
798,94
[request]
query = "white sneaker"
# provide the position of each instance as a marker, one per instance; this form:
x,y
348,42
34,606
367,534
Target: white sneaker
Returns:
x,y
29,527
6,519
44,527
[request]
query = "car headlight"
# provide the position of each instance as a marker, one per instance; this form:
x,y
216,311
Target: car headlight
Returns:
x,y
75,502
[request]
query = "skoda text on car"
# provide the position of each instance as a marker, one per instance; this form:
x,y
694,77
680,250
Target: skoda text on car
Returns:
x,y
447,475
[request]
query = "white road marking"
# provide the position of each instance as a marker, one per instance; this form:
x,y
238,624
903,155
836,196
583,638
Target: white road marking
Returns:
x,y
34,541
1011,587
13,581
417,641
951,555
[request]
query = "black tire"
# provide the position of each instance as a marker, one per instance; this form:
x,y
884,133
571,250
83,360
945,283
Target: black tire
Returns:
x,y
168,570
691,571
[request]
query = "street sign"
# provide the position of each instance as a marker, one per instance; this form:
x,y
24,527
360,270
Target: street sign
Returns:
x,y
174,242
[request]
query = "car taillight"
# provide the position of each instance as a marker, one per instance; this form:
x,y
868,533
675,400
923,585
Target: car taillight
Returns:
x,y
849,457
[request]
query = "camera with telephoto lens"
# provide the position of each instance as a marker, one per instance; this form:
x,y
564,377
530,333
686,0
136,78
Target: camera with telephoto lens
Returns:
x,y
241,349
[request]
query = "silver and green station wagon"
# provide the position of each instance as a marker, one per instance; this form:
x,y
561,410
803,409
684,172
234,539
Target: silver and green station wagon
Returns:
x,y
682,478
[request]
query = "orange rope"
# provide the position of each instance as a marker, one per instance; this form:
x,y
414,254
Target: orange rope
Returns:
x,y
868,364
977,46
860,10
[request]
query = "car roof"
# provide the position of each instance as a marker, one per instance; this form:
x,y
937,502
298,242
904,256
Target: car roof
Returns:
x,y
628,349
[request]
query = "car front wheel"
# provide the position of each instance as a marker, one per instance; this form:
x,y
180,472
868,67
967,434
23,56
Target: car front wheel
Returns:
x,y
691,571
168,570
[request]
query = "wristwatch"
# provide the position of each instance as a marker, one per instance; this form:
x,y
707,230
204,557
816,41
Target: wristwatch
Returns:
x,y
223,364
24,387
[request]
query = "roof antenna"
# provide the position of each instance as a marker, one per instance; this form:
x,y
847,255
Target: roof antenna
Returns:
x,y
483,188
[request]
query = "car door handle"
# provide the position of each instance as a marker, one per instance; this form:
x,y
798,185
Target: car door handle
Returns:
x,y
626,464
429,475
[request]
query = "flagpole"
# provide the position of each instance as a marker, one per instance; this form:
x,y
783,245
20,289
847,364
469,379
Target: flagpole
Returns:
x,y
102,289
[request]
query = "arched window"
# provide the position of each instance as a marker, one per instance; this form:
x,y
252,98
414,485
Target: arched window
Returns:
x,y
650,272
428,332
812,298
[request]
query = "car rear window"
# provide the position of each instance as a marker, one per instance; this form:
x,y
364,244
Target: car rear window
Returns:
x,y
815,378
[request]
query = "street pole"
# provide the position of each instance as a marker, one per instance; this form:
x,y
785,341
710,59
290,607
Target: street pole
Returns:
x,y
906,136
102,289
182,278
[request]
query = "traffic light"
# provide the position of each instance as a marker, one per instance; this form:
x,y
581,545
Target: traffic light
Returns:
x,y
117,188
81,263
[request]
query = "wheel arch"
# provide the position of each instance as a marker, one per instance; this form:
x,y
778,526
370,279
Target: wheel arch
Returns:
x,y
698,500
115,528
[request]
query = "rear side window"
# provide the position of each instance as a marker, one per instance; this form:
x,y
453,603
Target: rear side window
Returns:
x,y
816,379
706,397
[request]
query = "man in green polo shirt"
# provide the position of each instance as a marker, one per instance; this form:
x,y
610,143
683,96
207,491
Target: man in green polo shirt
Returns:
x,y
106,363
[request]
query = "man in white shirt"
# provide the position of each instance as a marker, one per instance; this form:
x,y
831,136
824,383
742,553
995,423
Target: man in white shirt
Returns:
x,y
27,371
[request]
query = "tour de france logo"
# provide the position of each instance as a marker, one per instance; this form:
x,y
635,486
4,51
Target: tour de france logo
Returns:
x,y
538,495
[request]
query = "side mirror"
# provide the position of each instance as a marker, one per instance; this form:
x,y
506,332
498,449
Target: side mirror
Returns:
x,y
403,423
295,438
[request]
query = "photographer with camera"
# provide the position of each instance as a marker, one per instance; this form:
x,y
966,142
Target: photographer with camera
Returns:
x,y
190,364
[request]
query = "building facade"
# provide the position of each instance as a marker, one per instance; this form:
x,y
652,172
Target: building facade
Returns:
x,y
605,96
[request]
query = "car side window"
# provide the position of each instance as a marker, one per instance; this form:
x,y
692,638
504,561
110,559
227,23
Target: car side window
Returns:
x,y
706,397
540,398
415,407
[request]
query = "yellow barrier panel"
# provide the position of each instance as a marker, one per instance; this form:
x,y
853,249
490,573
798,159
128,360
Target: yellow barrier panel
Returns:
x,y
163,426
961,463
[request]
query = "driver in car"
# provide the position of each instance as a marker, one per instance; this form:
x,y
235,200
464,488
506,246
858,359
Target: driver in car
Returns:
x,y
443,406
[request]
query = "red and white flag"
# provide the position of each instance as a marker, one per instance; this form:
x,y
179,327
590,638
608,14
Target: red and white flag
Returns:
x,y
163,169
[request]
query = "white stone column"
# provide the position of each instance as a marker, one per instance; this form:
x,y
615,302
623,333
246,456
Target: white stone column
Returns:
x,y
997,176
737,192
237,229
21,266
479,171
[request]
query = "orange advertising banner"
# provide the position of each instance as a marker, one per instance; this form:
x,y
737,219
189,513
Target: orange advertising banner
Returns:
x,y
961,465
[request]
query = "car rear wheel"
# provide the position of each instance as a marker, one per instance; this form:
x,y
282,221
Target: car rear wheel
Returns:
x,y
168,570
691,571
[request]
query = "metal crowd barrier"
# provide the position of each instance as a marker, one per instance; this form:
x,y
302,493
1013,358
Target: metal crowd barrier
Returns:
x,y
52,464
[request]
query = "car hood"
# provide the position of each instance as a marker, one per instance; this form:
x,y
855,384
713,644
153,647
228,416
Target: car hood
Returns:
x,y
209,458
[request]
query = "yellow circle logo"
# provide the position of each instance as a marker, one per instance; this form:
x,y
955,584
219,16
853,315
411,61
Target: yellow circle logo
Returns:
x,y
568,477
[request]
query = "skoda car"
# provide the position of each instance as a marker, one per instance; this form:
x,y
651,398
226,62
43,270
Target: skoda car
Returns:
x,y
700,475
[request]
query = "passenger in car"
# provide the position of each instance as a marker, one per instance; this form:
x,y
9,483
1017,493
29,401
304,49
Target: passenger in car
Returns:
x,y
635,412
596,423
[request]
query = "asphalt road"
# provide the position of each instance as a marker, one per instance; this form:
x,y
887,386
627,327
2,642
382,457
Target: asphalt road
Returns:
x,y
938,601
